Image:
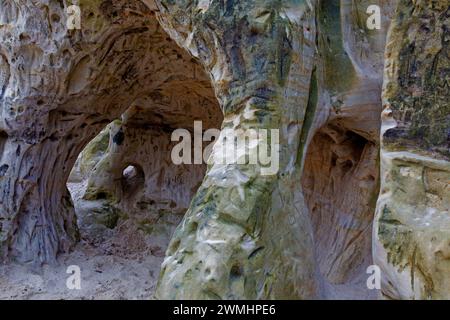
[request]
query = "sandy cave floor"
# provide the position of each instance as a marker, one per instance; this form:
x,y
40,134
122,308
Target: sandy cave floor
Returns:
x,y
121,264
104,274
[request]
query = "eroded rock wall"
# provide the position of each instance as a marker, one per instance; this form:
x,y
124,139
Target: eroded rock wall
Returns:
x,y
63,86
156,191
247,235
411,234
309,69
60,88
340,176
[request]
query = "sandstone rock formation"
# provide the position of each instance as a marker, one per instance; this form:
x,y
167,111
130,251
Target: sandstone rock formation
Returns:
x,y
137,70
340,176
411,234
135,173
63,87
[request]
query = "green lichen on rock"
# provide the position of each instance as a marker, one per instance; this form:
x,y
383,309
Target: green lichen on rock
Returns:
x,y
413,228
106,215
337,65
247,235
94,151
412,225
418,91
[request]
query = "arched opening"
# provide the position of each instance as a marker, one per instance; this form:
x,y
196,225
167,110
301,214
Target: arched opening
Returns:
x,y
133,180
120,94
340,183
149,87
128,194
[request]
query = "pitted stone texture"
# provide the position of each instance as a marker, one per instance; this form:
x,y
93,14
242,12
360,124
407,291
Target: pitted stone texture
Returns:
x,y
247,235
307,68
59,89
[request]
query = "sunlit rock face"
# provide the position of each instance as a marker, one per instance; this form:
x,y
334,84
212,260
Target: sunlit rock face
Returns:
x,y
100,105
412,225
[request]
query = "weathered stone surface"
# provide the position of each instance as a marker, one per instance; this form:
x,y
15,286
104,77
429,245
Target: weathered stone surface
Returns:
x,y
61,87
247,235
137,70
136,174
90,156
340,176
412,226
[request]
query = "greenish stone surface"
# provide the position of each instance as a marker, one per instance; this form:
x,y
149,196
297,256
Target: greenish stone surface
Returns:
x,y
412,225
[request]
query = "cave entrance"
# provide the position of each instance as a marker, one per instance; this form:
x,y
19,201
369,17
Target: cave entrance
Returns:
x,y
128,194
340,183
